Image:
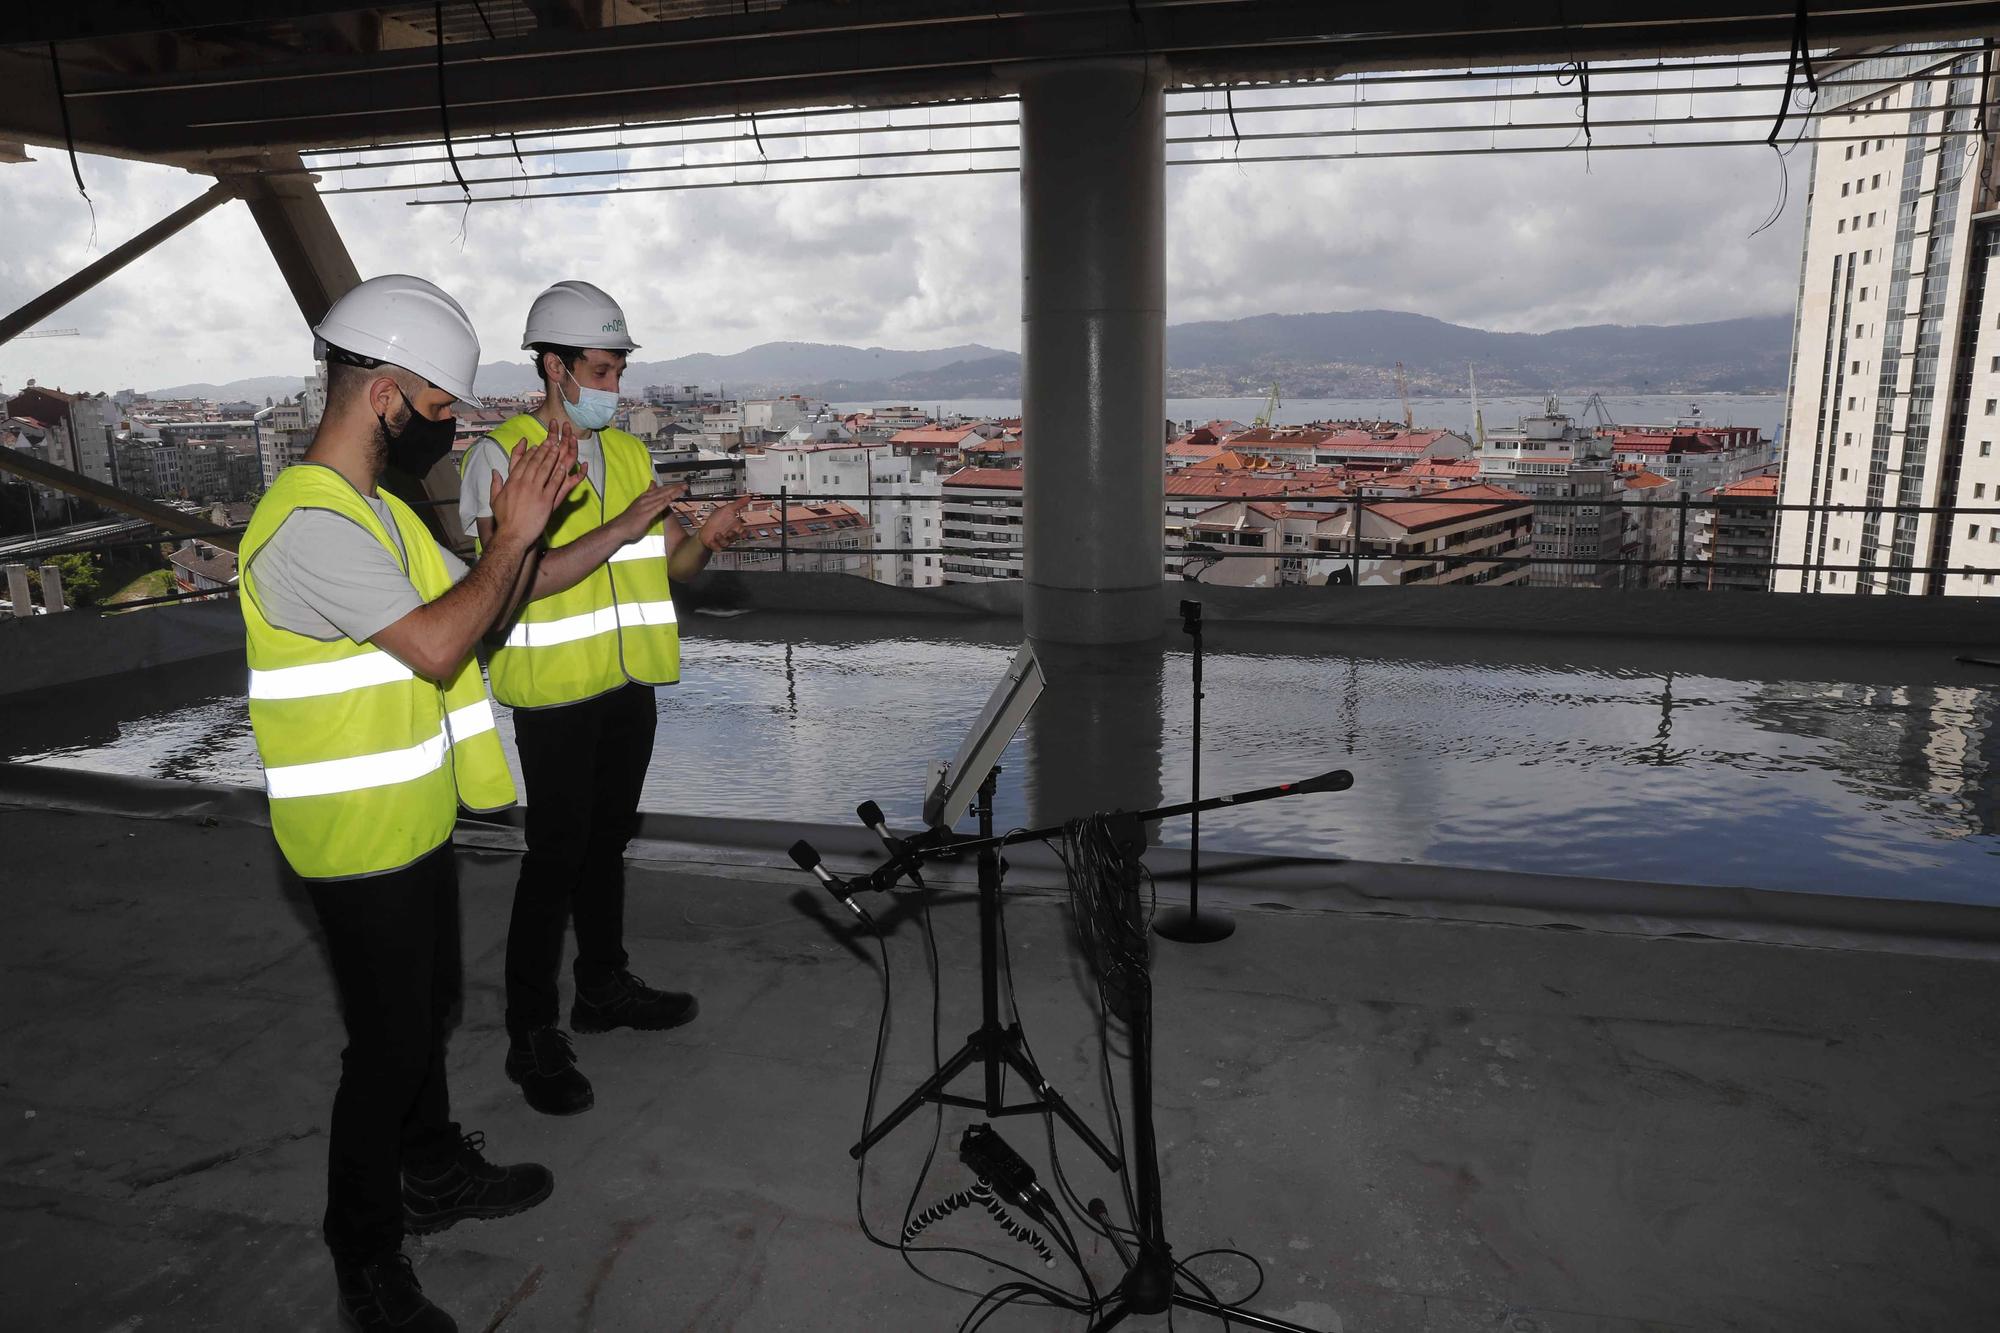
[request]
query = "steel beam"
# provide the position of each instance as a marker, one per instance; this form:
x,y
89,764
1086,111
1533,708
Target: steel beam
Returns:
x,y
167,519
819,50
75,285
302,237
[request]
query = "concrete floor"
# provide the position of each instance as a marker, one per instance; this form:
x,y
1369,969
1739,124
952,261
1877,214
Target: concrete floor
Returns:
x,y
1414,1125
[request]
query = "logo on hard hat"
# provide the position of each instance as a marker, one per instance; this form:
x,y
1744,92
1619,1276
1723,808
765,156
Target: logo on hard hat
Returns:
x,y
613,326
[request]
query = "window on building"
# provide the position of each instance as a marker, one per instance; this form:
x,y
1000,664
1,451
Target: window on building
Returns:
x,y
1840,226
1864,148
1843,474
1878,145
1867,256
1991,405
1850,153
1972,531
1857,369
1843,189
1979,490
1871,219
1875,182
1986,448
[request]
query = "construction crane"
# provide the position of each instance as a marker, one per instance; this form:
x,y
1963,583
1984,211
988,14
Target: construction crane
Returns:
x,y
1271,405
1403,393
48,333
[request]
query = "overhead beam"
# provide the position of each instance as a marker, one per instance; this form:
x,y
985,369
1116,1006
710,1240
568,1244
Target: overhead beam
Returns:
x,y
826,50
84,20
29,468
60,295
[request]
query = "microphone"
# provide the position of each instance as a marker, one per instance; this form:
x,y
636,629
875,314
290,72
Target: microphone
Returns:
x,y
808,860
901,863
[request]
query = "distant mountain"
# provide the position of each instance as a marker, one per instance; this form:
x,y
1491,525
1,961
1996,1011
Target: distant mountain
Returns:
x,y
1354,354
1343,354
253,390
767,368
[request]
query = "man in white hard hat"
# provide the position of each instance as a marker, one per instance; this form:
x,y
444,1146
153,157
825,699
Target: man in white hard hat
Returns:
x,y
578,666
374,727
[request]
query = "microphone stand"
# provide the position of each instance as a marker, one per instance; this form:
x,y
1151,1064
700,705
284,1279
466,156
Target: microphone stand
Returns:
x,y
1149,1285
1188,925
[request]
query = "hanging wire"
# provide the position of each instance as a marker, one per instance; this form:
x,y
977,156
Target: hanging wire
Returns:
x,y
480,10
69,141
1800,56
444,122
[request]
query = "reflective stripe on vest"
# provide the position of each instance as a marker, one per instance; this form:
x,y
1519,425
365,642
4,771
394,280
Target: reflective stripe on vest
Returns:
x,y
549,633
330,777
615,624
318,678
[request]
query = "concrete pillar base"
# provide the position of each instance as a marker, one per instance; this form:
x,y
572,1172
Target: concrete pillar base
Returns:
x,y
1094,615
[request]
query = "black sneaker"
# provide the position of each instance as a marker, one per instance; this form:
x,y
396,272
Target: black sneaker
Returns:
x,y
471,1187
382,1296
544,1064
627,1002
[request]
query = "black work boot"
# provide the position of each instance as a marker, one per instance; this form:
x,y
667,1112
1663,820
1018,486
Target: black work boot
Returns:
x,y
471,1186
544,1063
627,1002
382,1296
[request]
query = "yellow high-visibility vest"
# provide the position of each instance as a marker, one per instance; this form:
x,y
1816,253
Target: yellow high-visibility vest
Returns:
x,y
613,626
365,761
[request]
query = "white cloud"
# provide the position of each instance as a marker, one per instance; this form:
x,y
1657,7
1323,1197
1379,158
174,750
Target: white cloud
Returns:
x,y
1513,242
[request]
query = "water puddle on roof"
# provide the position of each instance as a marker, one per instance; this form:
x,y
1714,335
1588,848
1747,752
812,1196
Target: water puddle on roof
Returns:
x,y
1870,772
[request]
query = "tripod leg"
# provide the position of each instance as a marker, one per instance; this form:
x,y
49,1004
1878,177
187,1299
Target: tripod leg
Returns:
x,y
1025,1067
1231,1315
909,1105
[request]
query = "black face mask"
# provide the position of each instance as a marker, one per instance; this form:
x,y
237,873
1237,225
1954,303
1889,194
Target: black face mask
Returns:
x,y
420,442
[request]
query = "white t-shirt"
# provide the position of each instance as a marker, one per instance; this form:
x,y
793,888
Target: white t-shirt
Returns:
x,y
486,457
325,576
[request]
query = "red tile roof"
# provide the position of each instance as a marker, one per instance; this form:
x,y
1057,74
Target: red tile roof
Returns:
x,y
990,478
1764,486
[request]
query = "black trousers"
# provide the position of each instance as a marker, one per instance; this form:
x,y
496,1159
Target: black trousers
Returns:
x,y
583,765
393,943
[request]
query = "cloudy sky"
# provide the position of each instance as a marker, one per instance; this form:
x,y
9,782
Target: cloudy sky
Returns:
x,y
1500,242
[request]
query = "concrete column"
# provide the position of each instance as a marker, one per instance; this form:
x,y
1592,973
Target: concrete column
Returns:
x,y
1093,310
52,590
18,590
302,237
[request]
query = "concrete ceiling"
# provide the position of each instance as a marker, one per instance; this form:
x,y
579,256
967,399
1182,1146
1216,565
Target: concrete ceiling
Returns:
x,y
231,81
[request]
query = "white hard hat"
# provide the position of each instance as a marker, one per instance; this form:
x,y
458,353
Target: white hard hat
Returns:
x,y
406,322
577,314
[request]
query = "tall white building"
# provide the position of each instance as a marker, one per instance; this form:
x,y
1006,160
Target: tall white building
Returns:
x,y
1895,385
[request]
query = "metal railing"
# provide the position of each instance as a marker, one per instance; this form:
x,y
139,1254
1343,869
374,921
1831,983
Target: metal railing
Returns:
x,y
1686,557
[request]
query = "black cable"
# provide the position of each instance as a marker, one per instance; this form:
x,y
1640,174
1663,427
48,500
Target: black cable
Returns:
x,y
69,141
1052,1294
1240,1301
444,112
491,36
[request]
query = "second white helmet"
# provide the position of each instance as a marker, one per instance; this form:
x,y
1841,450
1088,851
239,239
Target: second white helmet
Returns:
x,y
406,322
575,313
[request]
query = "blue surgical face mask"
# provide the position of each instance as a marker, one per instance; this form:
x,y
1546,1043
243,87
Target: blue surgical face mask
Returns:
x,y
593,408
